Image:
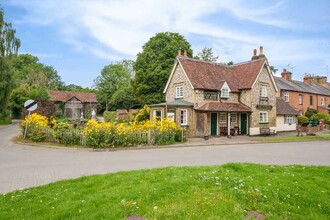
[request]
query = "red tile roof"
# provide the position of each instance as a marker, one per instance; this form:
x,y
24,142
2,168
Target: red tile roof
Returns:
x,y
213,106
211,76
64,96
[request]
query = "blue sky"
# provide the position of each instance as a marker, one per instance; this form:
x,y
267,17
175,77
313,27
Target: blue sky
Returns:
x,y
78,38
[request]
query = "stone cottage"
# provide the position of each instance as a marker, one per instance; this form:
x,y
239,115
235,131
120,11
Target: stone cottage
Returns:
x,y
219,100
72,104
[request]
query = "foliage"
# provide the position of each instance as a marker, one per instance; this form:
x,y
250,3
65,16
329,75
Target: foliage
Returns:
x,y
112,78
153,66
142,115
273,70
228,191
71,137
109,116
76,88
207,55
123,98
5,121
36,124
302,120
310,112
59,128
9,46
39,120
323,116
107,134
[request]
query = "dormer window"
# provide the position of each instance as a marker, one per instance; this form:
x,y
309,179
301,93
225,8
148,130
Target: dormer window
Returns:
x,y
225,91
263,91
179,92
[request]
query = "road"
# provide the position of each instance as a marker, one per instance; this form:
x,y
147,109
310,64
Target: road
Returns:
x,y
23,166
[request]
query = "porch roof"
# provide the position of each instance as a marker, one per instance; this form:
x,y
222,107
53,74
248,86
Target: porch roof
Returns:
x,y
212,106
177,102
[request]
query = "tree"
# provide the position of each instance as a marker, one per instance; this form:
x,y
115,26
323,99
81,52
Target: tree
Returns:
x,y
153,66
9,46
273,70
123,98
207,55
112,78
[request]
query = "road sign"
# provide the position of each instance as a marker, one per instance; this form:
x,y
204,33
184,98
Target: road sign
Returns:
x,y
30,105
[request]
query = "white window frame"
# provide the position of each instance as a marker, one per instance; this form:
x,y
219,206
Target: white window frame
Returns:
x,y
233,117
225,93
286,97
263,91
223,117
300,99
155,114
322,101
184,117
179,92
263,117
288,119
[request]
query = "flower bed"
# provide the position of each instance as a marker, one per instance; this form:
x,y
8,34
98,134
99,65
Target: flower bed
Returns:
x,y
104,134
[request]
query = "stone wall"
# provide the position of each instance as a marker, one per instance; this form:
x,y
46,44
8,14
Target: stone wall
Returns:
x,y
179,79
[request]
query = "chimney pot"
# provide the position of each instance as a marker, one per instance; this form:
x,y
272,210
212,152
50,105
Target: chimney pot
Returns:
x,y
261,50
185,53
286,75
308,79
179,52
255,52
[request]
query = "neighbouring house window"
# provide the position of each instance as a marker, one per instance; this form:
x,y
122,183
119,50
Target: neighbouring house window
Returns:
x,y
263,91
233,117
158,114
288,119
300,100
223,117
224,93
183,116
263,117
179,92
286,97
322,101
310,100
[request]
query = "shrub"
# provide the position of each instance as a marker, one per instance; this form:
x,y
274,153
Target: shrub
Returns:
x,y
71,137
142,115
5,121
109,116
59,128
302,120
310,112
323,116
35,133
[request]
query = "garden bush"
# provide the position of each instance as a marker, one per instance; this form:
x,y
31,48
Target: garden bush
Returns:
x,y
302,120
310,112
109,116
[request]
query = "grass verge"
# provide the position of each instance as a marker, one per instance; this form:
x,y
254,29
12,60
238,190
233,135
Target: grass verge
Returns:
x,y
216,192
324,136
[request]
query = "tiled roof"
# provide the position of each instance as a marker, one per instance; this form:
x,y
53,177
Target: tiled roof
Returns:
x,y
283,108
299,86
64,96
177,102
211,76
213,106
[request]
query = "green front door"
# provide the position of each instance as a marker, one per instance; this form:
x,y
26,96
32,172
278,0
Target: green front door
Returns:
x,y
244,123
214,121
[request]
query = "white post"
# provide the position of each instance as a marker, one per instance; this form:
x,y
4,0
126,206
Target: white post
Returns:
x,y
228,124
26,126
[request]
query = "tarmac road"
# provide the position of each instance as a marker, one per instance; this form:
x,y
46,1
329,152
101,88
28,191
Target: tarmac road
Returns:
x,y
23,166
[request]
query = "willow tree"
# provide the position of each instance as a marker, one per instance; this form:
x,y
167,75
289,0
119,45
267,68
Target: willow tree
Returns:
x,y
9,45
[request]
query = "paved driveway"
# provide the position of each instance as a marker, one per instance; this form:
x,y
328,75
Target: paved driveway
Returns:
x,y
25,166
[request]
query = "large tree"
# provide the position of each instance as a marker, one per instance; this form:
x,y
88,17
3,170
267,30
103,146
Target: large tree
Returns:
x,y
112,78
207,55
153,65
9,46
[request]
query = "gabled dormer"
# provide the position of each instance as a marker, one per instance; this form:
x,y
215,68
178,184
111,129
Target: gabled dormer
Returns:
x,y
225,91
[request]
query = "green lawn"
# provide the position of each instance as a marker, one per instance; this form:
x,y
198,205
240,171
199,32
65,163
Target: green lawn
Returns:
x,y
320,136
215,192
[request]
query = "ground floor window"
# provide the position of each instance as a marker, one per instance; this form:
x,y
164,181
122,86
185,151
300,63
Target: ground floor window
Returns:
x,y
233,117
263,117
223,117
288,119
157,114
171,116
183,117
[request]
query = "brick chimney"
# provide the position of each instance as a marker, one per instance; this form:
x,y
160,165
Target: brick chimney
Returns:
x,y
286,75
320,80
255,56
261,54
185,53
308,79
179,52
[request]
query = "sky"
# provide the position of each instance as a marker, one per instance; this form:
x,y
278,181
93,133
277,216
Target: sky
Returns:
x,y
79,37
